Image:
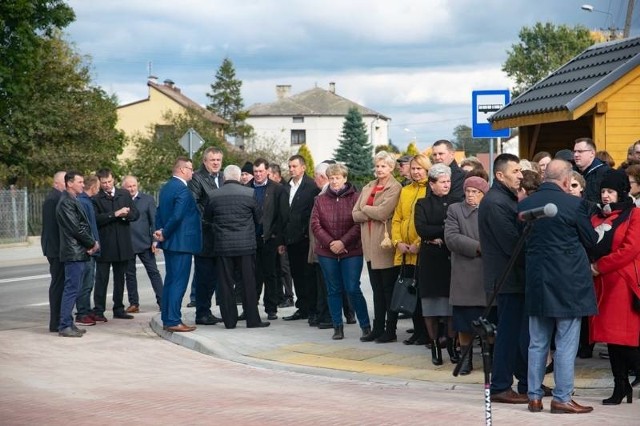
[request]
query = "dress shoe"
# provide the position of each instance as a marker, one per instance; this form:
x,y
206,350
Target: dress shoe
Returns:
x,y
122,315
411,340
85,320
324,325
570,407
208,320
133,309
69,332
272,316
547,390
286,304
313,320
180,328
79,330
261,324
509,397
351,318
535,405
242,317
387,336
98,317
297,315
191,305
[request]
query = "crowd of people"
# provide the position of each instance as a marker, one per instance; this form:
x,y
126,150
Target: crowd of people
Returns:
x,y
249,234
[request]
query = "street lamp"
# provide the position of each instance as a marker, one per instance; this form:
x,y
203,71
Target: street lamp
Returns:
x,y
612,31
415,135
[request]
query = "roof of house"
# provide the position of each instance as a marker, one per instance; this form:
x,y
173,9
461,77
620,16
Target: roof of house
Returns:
x,y
313,102
174,93
577,81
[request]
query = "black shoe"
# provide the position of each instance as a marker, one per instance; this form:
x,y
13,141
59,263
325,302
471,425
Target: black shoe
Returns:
x,y
436,353
338,333
191,305
546,390
549,368
402,315
208,320
272,316
286,304
324,325
261,324
69,332
313,320
621,389
297,315
452,350
375,333
351,318
242,317
122,315
387,336
467,365
585,352
411,340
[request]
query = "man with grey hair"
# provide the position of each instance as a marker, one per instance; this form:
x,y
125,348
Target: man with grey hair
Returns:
x,y
559,287
233,214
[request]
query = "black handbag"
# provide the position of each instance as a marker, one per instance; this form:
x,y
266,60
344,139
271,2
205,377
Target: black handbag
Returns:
x,y
635,300
405,295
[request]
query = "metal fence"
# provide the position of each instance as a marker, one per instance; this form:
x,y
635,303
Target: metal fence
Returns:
x,y
14,216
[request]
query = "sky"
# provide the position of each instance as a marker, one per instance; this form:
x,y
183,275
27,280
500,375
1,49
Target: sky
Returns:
x,y
415,61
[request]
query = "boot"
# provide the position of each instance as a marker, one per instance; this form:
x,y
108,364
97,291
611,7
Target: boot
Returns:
x,y
389,334
622,388
378,329
452,350
467,365
338,332
365,332
436,353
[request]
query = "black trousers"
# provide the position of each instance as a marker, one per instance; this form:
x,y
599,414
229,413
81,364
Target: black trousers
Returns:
x,y
148,259
206,282
56,270
226,265
382,283
266,276
102,282
303,276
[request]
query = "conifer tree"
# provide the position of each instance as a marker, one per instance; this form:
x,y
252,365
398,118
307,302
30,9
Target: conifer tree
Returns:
x,y
354,149
308,159
227,102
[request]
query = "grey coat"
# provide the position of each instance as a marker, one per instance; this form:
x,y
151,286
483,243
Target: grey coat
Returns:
x,y
463,239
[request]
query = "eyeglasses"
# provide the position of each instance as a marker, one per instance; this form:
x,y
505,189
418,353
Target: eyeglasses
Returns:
x,y
580,151
632,182
575,185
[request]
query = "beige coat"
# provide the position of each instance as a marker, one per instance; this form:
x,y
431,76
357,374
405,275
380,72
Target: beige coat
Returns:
x,y
372,221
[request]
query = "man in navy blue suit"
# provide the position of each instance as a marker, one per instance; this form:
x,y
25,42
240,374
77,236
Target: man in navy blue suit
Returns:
x,y
180,236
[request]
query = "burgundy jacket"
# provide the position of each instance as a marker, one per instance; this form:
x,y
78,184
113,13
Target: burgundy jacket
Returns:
x,y
331,219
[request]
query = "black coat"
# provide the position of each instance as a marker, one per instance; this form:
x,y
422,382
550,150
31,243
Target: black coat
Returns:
x,y
499,234
296,225
559,281
593,175
434,261
115,234
273,211
202,185
458,176
74,229
233,212
50,237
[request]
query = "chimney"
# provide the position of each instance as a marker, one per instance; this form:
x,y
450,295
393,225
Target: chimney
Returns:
x,y
332,87
282,91
169,83
153,79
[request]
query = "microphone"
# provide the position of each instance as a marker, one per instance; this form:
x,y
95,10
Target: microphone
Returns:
x,y
548,210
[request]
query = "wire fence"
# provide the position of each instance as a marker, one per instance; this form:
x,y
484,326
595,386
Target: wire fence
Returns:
x,y
14,216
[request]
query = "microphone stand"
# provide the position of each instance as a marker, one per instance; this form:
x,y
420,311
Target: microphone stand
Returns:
x,y
486,330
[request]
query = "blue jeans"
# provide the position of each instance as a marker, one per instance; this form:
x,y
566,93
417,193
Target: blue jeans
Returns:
x,y
567,338
83,302
72,281
342,275
512,342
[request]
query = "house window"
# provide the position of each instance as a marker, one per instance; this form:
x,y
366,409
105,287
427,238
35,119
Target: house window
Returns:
x,y
298,119
298,137
162,130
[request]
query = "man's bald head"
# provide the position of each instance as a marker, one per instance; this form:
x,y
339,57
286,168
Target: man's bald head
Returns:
x,y
559,172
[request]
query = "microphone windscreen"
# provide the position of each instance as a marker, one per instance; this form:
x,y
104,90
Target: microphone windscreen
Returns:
x,y
550,210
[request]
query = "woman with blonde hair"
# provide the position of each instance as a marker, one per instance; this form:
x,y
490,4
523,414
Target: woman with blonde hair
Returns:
x,y
373,211
406,240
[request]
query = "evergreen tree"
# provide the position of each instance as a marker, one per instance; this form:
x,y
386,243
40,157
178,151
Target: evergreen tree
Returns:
x,y
308,159
412,150
354,149
227,102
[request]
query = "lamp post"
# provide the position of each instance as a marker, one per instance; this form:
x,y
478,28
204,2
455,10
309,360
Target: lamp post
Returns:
x,y
612,30
415,135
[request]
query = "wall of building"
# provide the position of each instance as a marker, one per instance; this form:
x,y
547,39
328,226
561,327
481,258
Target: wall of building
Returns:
x,y
622,119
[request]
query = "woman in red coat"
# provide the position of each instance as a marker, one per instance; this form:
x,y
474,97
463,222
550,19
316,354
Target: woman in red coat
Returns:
x,y
616,268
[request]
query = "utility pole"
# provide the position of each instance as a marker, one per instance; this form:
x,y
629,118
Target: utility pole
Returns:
x,y
627,21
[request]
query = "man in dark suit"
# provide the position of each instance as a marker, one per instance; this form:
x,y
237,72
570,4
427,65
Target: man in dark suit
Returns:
x,y
559,286
205,181
50,242
302,191
114,211
233,213
143,245
443,152
272,204
180,236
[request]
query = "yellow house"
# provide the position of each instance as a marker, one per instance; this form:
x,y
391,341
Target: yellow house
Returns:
x,y
596,95
143,117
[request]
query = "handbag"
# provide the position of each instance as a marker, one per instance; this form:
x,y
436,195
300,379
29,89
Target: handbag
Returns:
x,y
405,295
635,300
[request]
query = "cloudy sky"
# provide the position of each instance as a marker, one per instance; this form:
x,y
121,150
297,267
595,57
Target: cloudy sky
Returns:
x,y
416,61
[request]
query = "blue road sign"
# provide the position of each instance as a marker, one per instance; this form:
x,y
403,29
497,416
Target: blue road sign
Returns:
x,y
485,103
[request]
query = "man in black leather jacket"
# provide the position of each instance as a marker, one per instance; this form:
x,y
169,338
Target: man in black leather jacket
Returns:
x,y
76,245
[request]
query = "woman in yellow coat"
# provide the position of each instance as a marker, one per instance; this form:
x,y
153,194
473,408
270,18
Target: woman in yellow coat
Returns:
x,y
405,237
